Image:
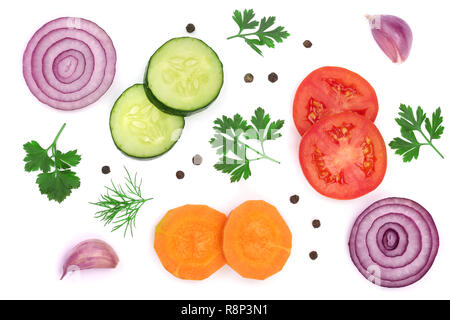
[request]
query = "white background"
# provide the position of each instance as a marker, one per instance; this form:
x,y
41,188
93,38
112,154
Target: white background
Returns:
x,y
35,234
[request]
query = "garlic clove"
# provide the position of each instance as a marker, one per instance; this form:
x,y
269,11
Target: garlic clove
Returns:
x,y
90,254
393,35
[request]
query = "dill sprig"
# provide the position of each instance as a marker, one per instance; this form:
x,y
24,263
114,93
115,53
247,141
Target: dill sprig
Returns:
x,y
121,204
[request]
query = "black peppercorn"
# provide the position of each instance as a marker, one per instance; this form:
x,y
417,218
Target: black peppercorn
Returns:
x,y
294,199
190,28
180,174
313,255
106,170
307,44
316,223
273,77
248,78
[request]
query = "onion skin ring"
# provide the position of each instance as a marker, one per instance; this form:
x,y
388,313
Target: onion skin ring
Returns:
x,y
69,63
380,230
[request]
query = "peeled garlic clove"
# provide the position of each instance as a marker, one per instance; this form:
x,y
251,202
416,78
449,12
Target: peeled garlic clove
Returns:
x,y
393,35
90,254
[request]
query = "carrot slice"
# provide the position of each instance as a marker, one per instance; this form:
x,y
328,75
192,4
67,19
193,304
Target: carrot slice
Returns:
x,y
257,241
188,241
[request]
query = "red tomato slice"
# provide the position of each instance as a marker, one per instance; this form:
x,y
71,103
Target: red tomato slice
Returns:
x,y
343,156
331,90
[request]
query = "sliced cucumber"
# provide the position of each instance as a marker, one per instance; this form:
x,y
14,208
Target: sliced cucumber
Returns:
x,y
183,76
141,130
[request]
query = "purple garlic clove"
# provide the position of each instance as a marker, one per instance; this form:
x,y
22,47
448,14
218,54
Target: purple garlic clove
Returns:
x,y
90,254
393,35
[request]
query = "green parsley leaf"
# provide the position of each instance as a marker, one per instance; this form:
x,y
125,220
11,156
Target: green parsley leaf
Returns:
x,y
407,149
225,143
56,180
58,185
237,168
245,21
435,128
37,157
232,127
254,43
410,122
274,128
233,151
243,171
68,159
261,129
260,120
262,36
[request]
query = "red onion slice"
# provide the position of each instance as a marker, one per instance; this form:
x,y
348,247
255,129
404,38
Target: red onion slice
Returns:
x,y
394,242
69,63
68,66
392,239
56,61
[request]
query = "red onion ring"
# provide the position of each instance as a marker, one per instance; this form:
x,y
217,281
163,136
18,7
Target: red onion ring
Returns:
x,y
394,242
69,63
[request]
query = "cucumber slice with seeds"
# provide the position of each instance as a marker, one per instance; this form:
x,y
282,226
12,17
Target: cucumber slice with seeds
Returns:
x,y
141,130
183,76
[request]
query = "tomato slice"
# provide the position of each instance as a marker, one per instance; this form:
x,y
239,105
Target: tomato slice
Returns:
x,y
343,156
331,90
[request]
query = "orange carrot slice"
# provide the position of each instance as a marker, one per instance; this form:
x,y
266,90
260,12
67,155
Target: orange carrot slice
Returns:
x,y
188,241
257,241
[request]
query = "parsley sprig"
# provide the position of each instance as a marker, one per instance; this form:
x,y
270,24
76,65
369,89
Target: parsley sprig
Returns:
x,y
262,36
56,179
409,122
230,141
121,204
